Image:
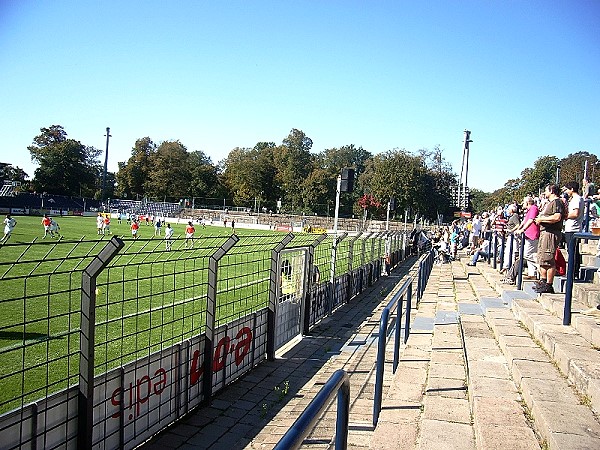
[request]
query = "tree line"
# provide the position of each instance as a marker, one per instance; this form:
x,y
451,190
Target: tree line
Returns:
x,y
269,174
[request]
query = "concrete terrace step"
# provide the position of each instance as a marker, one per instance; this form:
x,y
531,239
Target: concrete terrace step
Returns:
x,y
574,355
556,409
434,402
588,326
564,348
426,405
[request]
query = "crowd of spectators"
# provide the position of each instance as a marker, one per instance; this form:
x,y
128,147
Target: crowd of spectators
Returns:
x,y
546,222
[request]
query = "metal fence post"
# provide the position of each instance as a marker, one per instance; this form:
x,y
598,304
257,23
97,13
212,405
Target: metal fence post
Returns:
x,y
211,308
334,248
273,290
511,250
351,251
85,399
311,264
364,249
502,250
521,256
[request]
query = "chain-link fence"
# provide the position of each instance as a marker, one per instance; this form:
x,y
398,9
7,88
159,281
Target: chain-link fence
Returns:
x,y
105,342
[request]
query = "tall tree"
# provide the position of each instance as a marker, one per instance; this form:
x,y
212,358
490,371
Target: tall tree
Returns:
x,y
293,164
248,174
328,165
572,167
204,176
133,175
8,172
397,173
440,177
66,166
534,179
169,172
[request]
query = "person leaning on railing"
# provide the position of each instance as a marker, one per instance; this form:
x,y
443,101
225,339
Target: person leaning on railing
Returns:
x,y
550,222
531,231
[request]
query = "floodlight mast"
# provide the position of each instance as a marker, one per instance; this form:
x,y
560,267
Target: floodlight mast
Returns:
x,y
387,217
108,136
335,236
337,205
463,201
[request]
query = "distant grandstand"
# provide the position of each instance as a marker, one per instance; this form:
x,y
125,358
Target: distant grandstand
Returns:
x,y
28,203
12,201
10,188
158,209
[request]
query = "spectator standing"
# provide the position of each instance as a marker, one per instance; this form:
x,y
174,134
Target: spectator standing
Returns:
x,y
511,226
550,222
475,231
574,219
9,226
486,225
531,232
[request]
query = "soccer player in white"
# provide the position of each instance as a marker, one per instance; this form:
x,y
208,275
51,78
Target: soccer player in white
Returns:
x,y
100,223
54,227
9,225
168,236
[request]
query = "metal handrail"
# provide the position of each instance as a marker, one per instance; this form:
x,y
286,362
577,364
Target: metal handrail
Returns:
x,y
571,272
521,257
338,383
397,300
425,266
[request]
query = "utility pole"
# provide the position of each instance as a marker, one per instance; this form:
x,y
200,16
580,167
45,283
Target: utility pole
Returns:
x,y
108,136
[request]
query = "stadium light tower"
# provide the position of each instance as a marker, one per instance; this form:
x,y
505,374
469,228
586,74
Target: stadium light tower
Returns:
x,y
108,136
463,190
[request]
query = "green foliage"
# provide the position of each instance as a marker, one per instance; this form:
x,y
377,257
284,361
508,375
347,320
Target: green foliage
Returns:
x,y
66,166
293,163
248,174
572,168
133,174
169,172
304,181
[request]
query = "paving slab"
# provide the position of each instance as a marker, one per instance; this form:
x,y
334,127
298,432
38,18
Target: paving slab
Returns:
x,y
442,435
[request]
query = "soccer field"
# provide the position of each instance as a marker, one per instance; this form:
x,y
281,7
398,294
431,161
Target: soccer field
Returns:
x,y
147,299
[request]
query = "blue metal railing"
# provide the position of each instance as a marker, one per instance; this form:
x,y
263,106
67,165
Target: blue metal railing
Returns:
x,y
425,266
339,381
521,257
397,301
571,273
339,384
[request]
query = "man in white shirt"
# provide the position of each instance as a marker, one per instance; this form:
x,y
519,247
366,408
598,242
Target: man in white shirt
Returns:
x,y
574,219
475,232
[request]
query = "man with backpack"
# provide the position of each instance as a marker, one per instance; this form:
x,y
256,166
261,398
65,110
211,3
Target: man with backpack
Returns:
x,y
550,222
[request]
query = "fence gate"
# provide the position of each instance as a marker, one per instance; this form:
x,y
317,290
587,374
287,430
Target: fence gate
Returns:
x,y
291,295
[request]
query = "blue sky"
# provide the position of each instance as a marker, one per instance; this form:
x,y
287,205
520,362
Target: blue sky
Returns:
x,y
523,76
